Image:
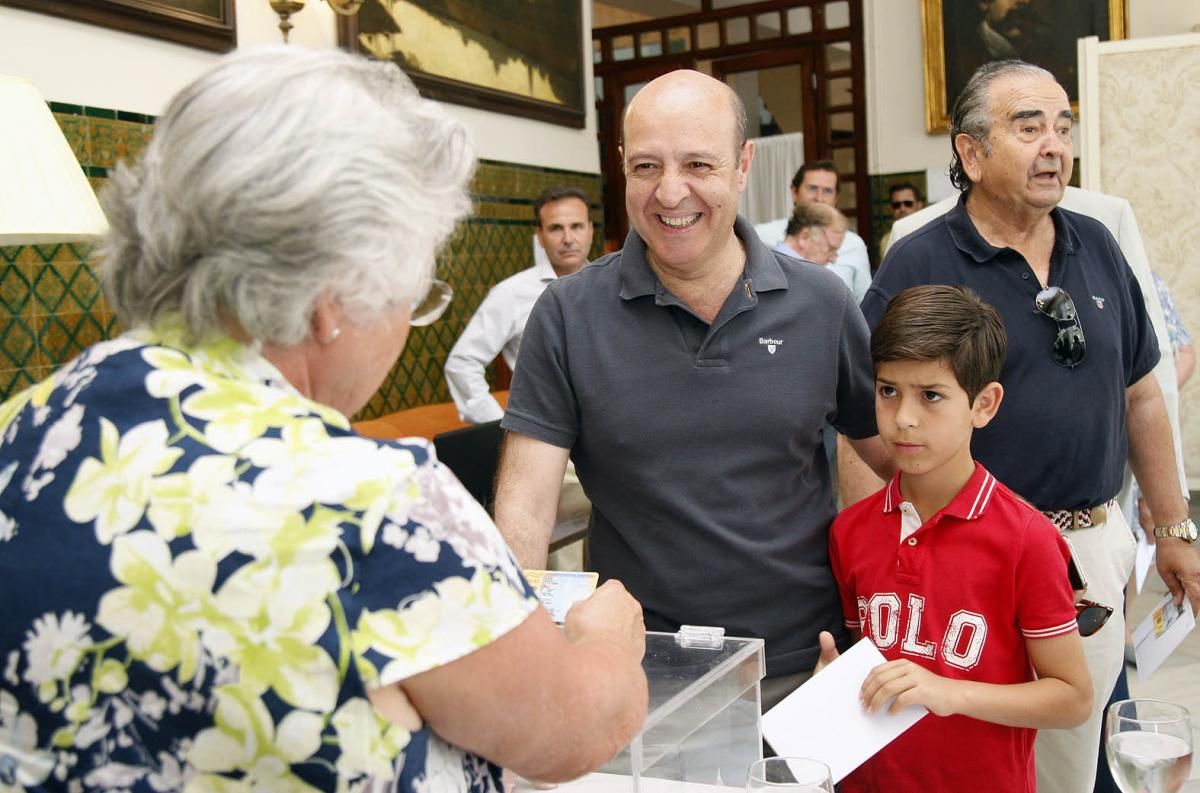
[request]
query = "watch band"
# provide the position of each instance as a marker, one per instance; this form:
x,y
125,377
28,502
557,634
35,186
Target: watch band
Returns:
x,y
1183,530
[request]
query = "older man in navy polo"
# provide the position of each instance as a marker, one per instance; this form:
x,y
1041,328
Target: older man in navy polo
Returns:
x,y
1080,395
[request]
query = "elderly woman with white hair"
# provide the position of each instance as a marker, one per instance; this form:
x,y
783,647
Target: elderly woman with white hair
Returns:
x,y
208,580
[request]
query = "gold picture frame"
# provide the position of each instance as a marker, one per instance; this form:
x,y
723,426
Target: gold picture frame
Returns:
x,y
951,31
207,24
519,57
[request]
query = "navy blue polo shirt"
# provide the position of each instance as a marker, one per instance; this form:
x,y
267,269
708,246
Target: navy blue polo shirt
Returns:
x,y
700,445
1059,438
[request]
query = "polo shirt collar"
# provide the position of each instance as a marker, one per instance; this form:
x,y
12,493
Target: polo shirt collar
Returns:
x,y
762,270
968,239
970,503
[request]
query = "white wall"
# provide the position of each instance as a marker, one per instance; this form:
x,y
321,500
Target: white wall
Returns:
x,y
896,137
122,71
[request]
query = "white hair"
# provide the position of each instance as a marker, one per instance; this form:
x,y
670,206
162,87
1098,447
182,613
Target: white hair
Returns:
x,y
280,175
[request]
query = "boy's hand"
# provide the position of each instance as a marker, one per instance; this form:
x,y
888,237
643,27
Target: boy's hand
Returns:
x,y
829,651
910,684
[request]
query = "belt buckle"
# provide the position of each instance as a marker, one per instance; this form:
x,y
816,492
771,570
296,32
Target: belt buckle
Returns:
x,y
1099,514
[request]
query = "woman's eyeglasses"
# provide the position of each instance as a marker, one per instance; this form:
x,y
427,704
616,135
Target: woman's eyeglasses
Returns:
x,y
1069,344
1090,616
426,309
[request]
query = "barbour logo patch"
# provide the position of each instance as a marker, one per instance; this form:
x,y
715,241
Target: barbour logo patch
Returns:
x,y
770,344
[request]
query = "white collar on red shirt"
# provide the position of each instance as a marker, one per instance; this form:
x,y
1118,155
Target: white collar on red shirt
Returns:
x,y
969,504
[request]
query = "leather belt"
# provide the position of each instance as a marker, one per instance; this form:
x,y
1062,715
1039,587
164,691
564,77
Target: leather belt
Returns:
x,y
1073,519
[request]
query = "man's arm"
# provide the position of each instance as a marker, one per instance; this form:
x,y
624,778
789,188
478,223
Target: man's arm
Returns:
x,y
527,488
484,337
863,467
1150,457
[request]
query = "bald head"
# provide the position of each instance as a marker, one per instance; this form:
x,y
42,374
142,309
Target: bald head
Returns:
x,y
687,92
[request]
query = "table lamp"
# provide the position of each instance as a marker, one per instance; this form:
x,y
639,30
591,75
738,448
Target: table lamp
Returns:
x,y
44,195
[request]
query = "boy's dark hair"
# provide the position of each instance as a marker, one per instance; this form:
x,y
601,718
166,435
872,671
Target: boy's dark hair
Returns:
x,y
929,323
555,193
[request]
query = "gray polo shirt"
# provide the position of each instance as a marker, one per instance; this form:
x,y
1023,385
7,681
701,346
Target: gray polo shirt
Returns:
x,y
700,446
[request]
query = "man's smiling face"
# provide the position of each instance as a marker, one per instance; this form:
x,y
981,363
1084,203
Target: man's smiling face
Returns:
x,y
684,169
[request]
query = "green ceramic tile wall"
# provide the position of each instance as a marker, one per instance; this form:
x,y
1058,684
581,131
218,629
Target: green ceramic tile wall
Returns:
x,y
51,306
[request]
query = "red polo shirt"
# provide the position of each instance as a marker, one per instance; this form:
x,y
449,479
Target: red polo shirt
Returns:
x,y
960,596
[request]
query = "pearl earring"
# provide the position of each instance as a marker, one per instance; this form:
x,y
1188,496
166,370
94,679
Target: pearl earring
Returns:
x,y
333,335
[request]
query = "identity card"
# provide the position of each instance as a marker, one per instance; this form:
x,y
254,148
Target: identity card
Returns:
x,y
560,589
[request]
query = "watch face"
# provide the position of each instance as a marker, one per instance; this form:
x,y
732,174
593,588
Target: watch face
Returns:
x,y
1189,529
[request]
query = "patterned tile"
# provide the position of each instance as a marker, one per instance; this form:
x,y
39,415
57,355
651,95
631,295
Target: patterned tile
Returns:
x,y
52,307
75,130
18,345
15,289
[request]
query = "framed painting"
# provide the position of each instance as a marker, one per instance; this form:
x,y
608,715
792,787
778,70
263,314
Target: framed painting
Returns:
x,y
962,35
207,24
521,57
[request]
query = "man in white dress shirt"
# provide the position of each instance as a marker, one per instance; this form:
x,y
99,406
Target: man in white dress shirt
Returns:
x,y
565,233
817,182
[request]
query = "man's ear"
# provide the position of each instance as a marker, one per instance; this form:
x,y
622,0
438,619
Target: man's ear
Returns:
x,y
970,152
745,158
986,403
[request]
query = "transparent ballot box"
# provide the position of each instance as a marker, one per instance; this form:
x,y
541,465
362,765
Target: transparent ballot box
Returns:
x,y
702,728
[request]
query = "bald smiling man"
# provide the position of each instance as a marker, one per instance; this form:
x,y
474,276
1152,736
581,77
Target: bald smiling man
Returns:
x,y
688,376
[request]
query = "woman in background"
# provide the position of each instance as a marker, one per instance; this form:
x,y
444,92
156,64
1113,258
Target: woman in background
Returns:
x,y
208,580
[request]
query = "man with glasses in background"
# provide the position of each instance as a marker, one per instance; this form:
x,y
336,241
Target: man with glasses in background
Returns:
x,y
815,232
816,182
1080,394
905,201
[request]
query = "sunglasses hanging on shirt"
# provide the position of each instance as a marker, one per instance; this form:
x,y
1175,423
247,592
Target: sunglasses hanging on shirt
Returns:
x,y
1069,344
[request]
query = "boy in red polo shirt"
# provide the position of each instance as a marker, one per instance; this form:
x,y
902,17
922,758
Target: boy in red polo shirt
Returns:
x,y
960,584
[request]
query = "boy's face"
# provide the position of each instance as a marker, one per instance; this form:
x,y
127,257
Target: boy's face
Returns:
x,y
925,417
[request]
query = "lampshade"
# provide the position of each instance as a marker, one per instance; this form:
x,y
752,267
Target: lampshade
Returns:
x,y
44,196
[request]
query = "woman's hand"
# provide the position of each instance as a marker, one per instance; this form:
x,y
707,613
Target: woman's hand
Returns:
x,y
610,613
910,684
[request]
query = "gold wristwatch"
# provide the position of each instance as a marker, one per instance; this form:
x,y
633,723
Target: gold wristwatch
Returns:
x,y
1183,530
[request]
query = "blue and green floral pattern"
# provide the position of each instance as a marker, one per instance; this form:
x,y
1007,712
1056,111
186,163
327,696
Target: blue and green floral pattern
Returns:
x,y
202,572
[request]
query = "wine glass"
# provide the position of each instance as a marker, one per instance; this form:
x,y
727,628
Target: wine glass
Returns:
x,y
796,774
1149,745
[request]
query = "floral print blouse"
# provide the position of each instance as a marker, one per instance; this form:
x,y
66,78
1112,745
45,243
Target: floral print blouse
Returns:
x,y
202,572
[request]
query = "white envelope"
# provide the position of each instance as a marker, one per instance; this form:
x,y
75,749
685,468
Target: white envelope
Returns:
x,y
825,720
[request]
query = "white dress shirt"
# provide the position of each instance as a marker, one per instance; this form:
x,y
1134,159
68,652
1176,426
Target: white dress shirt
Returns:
x,y
495,329
851,276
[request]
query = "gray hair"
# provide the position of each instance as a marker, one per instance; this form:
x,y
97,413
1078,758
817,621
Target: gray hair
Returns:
x,y
972,114
280,175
